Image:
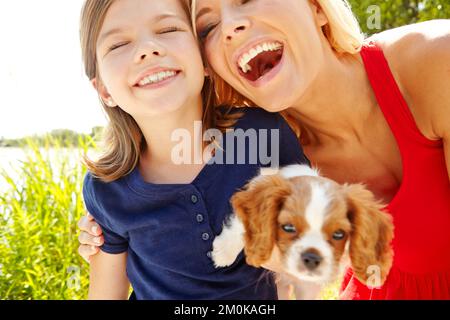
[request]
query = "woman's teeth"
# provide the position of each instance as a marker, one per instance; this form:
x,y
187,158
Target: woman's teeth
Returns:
x,y
250,55
156,77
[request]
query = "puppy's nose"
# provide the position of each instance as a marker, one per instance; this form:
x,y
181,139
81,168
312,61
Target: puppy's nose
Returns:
x,y
311,260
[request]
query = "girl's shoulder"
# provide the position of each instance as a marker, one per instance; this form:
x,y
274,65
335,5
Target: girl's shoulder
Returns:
x,y
253,118
96,189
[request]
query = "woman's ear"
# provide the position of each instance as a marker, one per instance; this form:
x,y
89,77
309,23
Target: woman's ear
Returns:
x,y
370,239
319,15
258,207
103,93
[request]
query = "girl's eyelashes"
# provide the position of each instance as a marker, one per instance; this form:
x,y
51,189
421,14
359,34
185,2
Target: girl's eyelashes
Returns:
x,y
170,29
116,46
162,31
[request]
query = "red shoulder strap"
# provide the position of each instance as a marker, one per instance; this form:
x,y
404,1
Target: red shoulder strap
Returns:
x,y
389,97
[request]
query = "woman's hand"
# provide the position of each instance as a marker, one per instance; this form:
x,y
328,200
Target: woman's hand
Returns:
x,y
90,238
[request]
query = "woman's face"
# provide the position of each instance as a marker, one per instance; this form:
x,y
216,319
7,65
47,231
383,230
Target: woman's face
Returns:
x,y
148,58
268,50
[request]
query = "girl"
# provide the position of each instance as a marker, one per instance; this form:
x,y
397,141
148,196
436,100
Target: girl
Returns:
x,y
158,217
332,83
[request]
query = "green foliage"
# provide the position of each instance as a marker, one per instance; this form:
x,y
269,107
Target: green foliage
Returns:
x,y
396,13
38,215
65,137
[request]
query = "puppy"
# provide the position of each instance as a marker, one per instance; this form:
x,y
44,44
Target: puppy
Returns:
x,y
312,221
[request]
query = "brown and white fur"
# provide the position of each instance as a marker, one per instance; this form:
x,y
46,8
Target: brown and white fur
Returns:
x,y
313,221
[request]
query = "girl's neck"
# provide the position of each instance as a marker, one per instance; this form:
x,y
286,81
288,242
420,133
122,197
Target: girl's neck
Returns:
x,y
339,104
157,157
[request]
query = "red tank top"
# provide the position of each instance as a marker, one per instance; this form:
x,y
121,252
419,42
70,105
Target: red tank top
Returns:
x,y
421,207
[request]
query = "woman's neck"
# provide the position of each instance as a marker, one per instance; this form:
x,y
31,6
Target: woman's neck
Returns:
x,y
339,104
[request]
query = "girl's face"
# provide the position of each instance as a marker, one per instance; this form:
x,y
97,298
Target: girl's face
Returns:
x,y
268,50
148,58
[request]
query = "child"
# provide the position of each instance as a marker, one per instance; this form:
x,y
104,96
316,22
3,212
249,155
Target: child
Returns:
x,y
158,217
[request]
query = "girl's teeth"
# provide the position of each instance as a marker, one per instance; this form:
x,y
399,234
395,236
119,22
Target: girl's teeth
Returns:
x,y
158,77
249,56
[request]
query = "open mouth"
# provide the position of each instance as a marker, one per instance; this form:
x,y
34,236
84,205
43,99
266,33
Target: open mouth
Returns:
x,y
260,60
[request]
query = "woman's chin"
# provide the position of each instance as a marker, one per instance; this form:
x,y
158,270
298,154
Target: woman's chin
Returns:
x,y
273,102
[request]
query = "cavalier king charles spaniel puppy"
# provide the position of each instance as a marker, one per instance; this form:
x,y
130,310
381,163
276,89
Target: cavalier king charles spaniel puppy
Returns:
x,y
312,221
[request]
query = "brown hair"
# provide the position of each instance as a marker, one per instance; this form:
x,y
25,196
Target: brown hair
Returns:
x,y
123,140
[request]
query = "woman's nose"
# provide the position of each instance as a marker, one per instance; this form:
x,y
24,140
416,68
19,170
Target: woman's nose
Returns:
x,y
234,28
149,49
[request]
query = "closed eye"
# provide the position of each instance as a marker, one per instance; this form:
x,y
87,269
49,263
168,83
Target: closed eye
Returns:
x,y
117,45
169,30
206,31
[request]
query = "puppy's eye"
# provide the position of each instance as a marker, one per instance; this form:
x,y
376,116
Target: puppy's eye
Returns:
x,y
289,228
339,235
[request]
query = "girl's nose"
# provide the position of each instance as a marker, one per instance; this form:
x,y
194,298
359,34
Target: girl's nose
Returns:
x,y
148,50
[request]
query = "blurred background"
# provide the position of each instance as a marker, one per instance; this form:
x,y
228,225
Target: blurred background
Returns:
x,y
50,117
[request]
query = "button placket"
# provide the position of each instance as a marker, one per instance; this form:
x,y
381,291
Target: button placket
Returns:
x,y
201,217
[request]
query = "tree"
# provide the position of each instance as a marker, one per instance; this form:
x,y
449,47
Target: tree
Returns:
x,y
396,13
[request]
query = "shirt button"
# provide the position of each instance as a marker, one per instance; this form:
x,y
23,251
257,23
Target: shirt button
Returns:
x,y
209,254
205,236
194,199
200,218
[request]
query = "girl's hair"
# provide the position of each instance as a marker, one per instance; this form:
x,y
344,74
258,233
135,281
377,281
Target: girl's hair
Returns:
x,y
123,140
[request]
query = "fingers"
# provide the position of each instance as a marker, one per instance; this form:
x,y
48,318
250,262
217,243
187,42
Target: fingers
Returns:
x,y
88,239
86,252
88,224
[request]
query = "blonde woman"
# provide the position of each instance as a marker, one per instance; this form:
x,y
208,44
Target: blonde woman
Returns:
x,y
375,111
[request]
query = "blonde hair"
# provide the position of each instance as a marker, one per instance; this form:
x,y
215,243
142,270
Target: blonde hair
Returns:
x,y
123,140
343,30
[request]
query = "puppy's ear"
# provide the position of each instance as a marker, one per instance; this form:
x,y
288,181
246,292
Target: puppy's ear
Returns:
x,y
258,207
371,236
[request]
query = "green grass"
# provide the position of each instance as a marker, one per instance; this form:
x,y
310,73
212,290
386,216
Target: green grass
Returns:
x,y
38,215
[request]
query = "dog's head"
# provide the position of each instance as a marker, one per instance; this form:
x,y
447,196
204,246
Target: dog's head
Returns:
x,y
313,221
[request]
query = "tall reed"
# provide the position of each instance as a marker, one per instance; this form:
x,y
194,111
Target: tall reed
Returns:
x,y
38,229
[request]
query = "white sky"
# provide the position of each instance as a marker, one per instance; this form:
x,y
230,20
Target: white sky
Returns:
x,y
42,83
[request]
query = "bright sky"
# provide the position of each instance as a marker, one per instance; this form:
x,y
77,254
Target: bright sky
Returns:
x,y
42,83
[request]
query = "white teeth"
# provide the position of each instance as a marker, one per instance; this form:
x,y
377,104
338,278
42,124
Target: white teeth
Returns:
x,y
156,77
252,53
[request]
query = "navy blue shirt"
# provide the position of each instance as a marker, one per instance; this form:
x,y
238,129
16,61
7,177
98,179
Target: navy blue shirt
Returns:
x,y
168,229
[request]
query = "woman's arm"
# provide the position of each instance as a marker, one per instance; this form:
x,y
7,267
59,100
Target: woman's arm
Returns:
x,y
108,278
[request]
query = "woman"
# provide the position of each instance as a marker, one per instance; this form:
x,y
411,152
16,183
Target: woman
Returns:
x,y
375,111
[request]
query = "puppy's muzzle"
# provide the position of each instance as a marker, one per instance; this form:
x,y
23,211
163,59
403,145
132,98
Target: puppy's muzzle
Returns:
x,y
311,260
